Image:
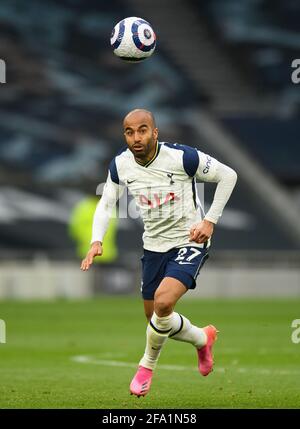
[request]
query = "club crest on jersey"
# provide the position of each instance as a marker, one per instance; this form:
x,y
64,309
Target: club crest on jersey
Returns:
x,y
170,176
157,200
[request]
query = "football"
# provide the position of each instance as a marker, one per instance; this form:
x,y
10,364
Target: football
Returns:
x,y
133,39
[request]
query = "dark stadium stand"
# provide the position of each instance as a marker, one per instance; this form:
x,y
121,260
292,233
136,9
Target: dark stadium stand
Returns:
x,y
273,141
61,110
262,36
72,107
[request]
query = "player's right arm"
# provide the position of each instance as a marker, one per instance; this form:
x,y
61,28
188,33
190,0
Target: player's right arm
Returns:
x,y
211,170
111,193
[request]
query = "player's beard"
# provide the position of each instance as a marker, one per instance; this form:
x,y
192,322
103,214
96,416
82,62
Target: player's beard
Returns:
x,y
142,151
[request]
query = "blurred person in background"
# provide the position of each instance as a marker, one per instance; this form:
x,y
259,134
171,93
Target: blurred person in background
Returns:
x,y
79,228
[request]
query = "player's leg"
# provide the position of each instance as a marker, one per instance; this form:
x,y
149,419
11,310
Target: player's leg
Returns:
x,y
183,330
148,308
166,296
202,338
185,266
158,330
166,323
161,323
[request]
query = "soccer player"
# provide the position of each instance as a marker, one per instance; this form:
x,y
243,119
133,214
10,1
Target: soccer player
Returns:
x,y
161,177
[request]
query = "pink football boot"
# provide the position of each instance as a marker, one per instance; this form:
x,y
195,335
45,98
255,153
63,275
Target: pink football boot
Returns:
x,y
141,382
205,356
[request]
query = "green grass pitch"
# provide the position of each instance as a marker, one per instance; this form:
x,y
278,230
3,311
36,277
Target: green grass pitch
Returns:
x,y
83,354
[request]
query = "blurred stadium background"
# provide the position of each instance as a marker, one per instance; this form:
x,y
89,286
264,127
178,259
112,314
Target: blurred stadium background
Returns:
x,y
220,80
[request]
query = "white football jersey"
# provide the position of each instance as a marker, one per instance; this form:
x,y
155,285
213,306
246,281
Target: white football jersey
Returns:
x,y
165,193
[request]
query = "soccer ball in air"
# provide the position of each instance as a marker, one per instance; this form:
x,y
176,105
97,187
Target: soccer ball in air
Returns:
x,y
133,39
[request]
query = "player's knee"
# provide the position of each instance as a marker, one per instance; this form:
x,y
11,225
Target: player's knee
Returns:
x,y
163,306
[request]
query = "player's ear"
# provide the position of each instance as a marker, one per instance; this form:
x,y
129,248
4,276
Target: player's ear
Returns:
x,y
155,133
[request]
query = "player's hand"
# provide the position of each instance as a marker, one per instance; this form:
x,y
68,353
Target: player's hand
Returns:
x,y
95,250
202,231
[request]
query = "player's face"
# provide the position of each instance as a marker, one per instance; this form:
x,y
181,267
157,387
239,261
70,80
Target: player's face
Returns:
x,y
140,135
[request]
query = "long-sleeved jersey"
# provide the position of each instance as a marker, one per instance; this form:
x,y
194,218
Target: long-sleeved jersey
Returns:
x,y
165,193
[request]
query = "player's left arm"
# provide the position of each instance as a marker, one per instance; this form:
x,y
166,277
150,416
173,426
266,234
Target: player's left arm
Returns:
x,y
211,170
111,193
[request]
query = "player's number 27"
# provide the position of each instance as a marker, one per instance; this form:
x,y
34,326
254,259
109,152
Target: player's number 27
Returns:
x,y
183,254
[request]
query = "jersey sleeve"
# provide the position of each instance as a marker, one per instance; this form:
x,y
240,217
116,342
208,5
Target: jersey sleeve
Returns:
x,y
211,170
111,193
207,168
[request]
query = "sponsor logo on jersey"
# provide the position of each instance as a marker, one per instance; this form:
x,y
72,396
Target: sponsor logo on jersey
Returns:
x,y
157,200
208,164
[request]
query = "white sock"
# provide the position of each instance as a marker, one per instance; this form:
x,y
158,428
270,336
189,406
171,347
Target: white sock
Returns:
x,y
183,330
157,333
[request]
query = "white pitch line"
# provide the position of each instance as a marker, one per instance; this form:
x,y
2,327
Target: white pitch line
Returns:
x,y
85,359
95,361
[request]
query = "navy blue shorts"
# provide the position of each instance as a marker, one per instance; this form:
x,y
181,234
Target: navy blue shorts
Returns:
x,y
182,263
